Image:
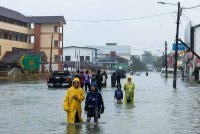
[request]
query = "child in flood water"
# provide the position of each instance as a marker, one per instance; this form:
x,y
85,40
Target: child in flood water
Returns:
x,y
94,105
118,94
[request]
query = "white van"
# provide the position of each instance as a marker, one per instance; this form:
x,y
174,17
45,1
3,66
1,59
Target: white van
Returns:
x,y
170,72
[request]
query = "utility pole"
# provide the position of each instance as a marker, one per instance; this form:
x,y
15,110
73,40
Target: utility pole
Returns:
x,y
50,66
166,60
176,47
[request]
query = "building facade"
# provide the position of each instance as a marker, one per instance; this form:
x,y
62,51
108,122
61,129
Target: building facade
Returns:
x,y
104,51
15,31
75,57
75,53
48,37
40,33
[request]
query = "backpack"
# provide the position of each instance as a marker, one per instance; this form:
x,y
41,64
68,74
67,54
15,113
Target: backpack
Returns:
x,y
119,94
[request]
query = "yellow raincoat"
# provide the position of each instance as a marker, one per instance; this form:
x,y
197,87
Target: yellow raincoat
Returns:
x,y
129,90
71,105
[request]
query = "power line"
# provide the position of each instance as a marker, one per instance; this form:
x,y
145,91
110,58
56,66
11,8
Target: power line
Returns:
x,y
125,19
191,7
186,17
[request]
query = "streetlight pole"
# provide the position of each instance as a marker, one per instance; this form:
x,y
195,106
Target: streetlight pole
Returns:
x,y
50,66
166,59
177,34
176,47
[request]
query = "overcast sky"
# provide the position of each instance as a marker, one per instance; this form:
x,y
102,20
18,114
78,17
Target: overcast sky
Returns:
x,y
146,34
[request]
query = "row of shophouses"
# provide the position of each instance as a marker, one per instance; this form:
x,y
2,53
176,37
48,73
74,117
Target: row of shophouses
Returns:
x,y
186,59
42,36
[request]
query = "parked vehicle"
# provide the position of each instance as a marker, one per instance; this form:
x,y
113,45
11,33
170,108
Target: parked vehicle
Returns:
x,y
121,72
60,79
170,73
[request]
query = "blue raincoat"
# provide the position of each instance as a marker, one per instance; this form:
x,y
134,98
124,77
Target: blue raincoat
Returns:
x,y
94,104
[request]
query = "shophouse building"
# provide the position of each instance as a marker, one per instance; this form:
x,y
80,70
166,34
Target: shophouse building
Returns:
x,y
38,33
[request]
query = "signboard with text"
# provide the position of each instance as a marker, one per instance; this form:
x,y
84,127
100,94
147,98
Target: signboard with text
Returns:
x,y
181,47
30,62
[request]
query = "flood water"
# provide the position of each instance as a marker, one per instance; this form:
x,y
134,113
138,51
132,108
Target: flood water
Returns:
x,y
32,108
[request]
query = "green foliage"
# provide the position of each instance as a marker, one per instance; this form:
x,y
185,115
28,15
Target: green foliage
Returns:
x,y
158,62
136,64
147,58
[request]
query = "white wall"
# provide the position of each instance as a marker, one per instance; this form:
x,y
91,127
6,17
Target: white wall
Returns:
x,y
70,51
122,51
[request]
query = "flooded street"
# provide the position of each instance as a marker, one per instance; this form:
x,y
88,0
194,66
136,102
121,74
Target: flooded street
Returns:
x,y
30,108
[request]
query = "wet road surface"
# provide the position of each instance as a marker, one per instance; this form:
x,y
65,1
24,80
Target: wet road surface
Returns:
x,y
32,108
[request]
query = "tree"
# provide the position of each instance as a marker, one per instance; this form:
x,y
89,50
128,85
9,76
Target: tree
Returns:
x,y
159,63
136,64
147,58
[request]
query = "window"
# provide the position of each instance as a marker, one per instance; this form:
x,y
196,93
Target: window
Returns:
x,y
56,29
61,29
32,25
87,58
57,58
5,36
32,39
81,58
56,43
67,58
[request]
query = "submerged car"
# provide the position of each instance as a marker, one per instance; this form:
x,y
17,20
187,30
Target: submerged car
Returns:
x,y
60,79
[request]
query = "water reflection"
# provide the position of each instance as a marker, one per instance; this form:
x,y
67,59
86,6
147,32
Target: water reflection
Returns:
x,y
93,128
85,128
74,128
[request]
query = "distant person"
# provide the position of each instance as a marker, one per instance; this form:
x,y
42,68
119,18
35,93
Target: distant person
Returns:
x,y
147,74
118,94
82,79
118,77
77,75
87,78
129,88
99,80
196,73
104,80
131,72
113,79
93,79
72,102
105,74
182,74
105,77
138,74
94,105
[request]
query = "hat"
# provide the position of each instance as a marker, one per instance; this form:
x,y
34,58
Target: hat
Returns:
x,y
95,85
129,78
